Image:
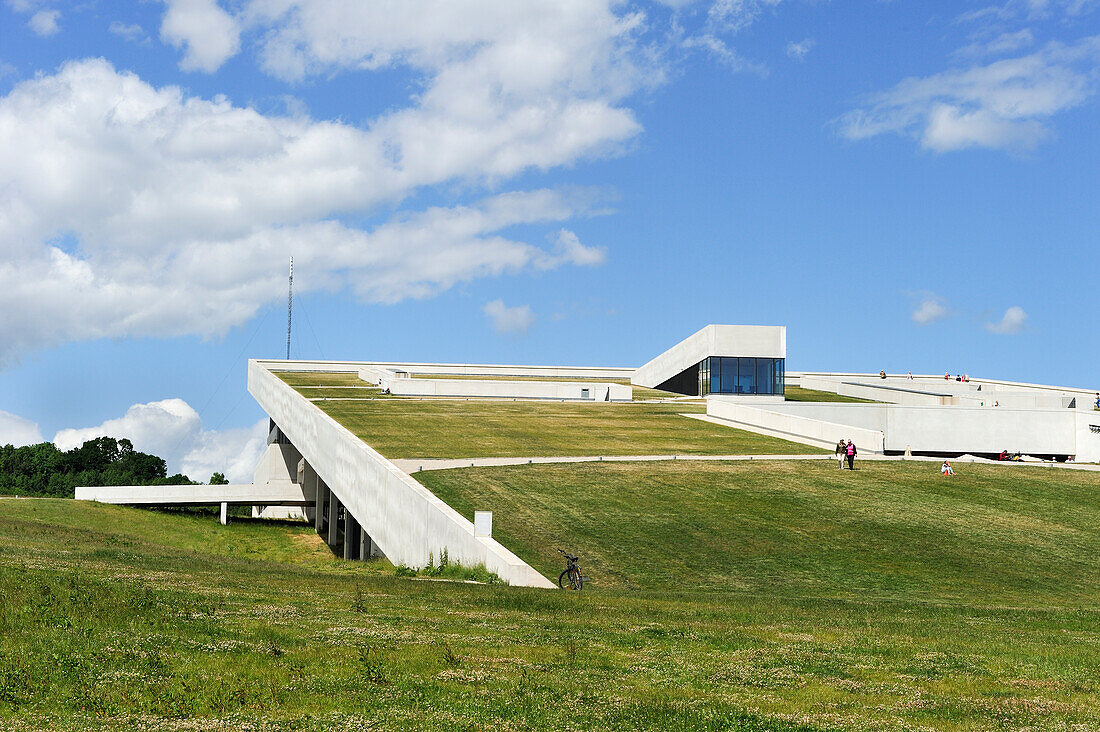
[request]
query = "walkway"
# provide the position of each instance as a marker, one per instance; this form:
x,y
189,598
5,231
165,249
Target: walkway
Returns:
x,y
413,465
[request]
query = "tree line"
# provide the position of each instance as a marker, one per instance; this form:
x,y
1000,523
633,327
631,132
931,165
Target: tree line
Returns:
x,y
43,470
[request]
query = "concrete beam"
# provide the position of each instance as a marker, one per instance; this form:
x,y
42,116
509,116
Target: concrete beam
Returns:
x,y
246,494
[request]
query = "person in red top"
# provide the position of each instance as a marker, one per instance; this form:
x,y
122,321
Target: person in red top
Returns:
x,y
850,451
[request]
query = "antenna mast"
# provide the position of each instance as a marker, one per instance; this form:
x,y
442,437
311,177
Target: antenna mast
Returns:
x,y
289,307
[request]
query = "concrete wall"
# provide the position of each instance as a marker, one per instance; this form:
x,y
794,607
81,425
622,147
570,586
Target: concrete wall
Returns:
x,y
403,517
762,341
819,432
864,416
592,391
1088,436
929,428
968,429
929,392
456,369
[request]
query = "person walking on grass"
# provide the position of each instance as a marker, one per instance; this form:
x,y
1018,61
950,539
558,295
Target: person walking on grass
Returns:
x,y
841,451
850,453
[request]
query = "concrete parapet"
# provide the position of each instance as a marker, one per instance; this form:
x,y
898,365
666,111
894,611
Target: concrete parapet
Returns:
x,y
406,520
501,389
456,369
809,430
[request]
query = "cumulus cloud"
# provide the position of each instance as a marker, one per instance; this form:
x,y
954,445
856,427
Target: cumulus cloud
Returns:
x,y
509,320
1011,322
173,430
798,51
136,210
44,22
208,35
1005,104
14,430
929,310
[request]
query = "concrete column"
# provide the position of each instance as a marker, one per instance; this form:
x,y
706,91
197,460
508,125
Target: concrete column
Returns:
x,y
351,536
364,545
333,536
224,514
319,510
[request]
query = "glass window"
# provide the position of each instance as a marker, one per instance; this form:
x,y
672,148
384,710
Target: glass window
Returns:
x,y
729,375
746,376
764,376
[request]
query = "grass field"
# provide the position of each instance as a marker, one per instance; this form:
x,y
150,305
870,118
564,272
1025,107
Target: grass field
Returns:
x,y
798,394
438,428
883,599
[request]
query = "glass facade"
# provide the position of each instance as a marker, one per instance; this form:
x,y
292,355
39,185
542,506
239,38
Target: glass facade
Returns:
x,y
740,375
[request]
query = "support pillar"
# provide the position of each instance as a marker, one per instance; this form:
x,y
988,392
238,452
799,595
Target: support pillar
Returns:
x,y
365,545
351,536
333,520
223,514
319,509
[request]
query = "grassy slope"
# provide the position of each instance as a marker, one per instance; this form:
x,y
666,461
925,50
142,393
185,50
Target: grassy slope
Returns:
x,y
403,428
892,530
798,394
118,618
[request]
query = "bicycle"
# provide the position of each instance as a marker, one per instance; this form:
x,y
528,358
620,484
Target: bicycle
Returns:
x,y
571,578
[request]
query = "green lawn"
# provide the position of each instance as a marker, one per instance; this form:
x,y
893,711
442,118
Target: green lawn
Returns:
x,y
319,378
889,530
822,607
438,428
798,394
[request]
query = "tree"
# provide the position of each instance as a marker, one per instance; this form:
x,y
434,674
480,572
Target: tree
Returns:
x,y
218,479
43,470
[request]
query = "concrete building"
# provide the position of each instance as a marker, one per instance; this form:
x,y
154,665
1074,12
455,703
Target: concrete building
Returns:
x,y
928,415
741,360
364,505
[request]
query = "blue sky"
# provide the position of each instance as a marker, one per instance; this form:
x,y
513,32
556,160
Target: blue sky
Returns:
x,y
907,186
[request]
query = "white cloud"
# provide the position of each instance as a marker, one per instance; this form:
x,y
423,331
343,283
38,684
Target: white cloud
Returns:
x,y
1012,321
132,210
517,319
1029,10
569,250
207,33
1004,43
44,22
171,429
1005,104
723,53
128,31
929,310
14,430
735,15
798,51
